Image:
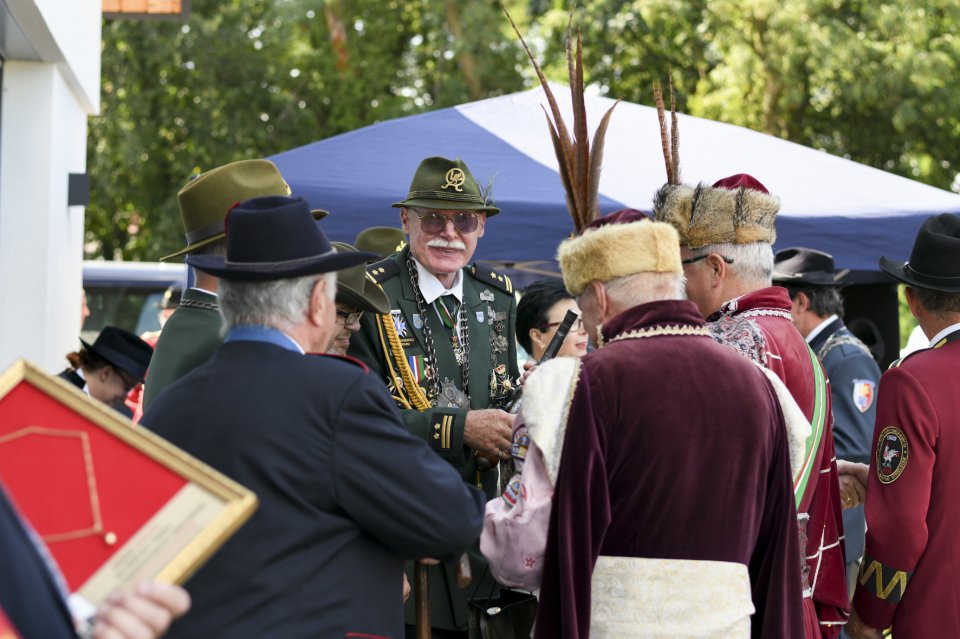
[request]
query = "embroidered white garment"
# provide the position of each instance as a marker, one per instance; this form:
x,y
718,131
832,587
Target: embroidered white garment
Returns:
x,y
634,597
798,426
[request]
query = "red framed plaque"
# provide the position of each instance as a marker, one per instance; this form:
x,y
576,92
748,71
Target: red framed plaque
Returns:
x,y
113,502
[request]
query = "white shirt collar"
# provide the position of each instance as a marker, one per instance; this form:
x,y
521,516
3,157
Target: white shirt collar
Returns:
x,y
431,288
939,336
203,290
86,387
819,329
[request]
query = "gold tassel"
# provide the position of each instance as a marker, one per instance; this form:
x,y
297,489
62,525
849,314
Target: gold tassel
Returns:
x,y
403,379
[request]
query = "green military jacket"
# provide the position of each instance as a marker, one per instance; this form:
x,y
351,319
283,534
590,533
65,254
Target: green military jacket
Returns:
x,y
187,340
491,310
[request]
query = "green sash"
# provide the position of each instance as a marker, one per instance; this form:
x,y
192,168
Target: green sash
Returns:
x,y
818,424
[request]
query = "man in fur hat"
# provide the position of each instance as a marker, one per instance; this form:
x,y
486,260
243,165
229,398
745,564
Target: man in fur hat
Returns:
x,y
632,516
726,232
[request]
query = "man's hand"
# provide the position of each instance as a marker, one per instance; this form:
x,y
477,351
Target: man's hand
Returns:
x,y
528,367
406,588
490,431
144,613
857,629
853,483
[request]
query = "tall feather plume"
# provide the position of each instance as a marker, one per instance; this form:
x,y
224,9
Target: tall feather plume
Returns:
x,y
579,167
669,139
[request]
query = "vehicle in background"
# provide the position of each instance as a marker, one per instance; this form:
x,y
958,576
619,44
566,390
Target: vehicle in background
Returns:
x,y
126,294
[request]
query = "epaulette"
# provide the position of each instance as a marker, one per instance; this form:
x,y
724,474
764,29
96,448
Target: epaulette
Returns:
x,y
346,358
488,276
383,270
898,362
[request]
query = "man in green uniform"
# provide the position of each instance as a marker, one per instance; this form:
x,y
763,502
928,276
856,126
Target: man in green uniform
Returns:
x,y
192,333
447,349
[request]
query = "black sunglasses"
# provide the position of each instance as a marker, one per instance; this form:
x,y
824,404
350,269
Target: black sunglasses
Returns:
x,y
463,222
691,260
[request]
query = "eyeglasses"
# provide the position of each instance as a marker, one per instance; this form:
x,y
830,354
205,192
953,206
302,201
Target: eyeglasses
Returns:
x,y
129,382
349,318
691,260
574,328
463,222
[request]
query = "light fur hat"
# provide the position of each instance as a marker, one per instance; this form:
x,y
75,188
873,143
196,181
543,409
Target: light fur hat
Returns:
x,y
737,210
616,250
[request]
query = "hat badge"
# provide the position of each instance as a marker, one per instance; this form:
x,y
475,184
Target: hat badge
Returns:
x,y
454,178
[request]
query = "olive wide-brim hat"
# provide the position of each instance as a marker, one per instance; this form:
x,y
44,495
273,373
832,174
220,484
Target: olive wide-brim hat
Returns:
x,y
357,289
935,259
206,199
444,184
275,238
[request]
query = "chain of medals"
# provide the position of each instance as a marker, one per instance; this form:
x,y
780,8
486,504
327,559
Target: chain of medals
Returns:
x,y
97,528
445,393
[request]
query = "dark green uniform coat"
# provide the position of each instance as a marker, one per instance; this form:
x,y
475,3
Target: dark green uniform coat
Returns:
x,y
187,340
490,314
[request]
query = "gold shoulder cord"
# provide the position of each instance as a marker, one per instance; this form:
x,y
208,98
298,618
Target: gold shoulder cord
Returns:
x,y
403,379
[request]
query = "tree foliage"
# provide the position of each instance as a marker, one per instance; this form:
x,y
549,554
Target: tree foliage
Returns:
x,y
871,80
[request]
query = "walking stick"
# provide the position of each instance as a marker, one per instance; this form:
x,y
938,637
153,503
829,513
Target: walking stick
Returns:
x,y
421,598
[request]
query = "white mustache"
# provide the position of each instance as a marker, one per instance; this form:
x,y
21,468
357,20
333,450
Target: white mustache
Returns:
x,y
439,242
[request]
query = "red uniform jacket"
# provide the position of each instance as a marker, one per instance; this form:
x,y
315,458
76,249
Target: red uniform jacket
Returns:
x,y
910,577
759,326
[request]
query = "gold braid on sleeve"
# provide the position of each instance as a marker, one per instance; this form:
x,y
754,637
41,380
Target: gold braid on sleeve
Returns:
x,y
408,394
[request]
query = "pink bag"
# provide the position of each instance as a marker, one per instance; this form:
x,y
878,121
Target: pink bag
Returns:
x,y
515,526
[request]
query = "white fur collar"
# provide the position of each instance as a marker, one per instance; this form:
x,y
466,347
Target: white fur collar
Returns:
x,y
547,395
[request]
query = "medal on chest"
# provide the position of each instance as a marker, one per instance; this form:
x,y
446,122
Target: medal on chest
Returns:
x,y
451,396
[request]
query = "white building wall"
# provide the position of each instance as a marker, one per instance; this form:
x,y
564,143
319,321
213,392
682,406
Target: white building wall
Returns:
x,y
43,130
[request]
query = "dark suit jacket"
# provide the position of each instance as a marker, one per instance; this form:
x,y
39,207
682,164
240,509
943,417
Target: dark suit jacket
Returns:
x,y
849,365
188,339
346,494
28,594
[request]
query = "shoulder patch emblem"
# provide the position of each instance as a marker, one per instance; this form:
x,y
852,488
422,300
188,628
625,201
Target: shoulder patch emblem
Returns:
x,y
489,276
892,454
863,394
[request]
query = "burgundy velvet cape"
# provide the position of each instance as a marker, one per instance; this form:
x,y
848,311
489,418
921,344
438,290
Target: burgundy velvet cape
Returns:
x,y
675,448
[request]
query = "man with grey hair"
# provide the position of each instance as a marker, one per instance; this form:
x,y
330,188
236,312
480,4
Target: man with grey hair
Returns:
x,y
726,235
610,516
323,556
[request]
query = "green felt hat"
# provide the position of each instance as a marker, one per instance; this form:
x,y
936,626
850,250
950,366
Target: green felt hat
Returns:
x,y
445,184
357,289
382,240
206,199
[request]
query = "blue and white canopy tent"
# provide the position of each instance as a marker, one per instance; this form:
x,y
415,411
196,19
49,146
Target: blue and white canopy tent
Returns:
x,y
849,210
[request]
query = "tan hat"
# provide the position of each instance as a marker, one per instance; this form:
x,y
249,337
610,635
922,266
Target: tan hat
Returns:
x,y
206,199
737,210
357,289
607,251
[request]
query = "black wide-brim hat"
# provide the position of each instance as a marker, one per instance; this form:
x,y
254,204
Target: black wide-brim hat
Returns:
x,y
273,238
123,350
804,266
935,259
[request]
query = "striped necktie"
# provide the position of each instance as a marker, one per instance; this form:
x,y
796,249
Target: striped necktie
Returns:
x,y
447,306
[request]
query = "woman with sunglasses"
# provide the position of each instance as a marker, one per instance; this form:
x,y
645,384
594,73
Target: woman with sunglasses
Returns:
x,y
109,368
539,312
